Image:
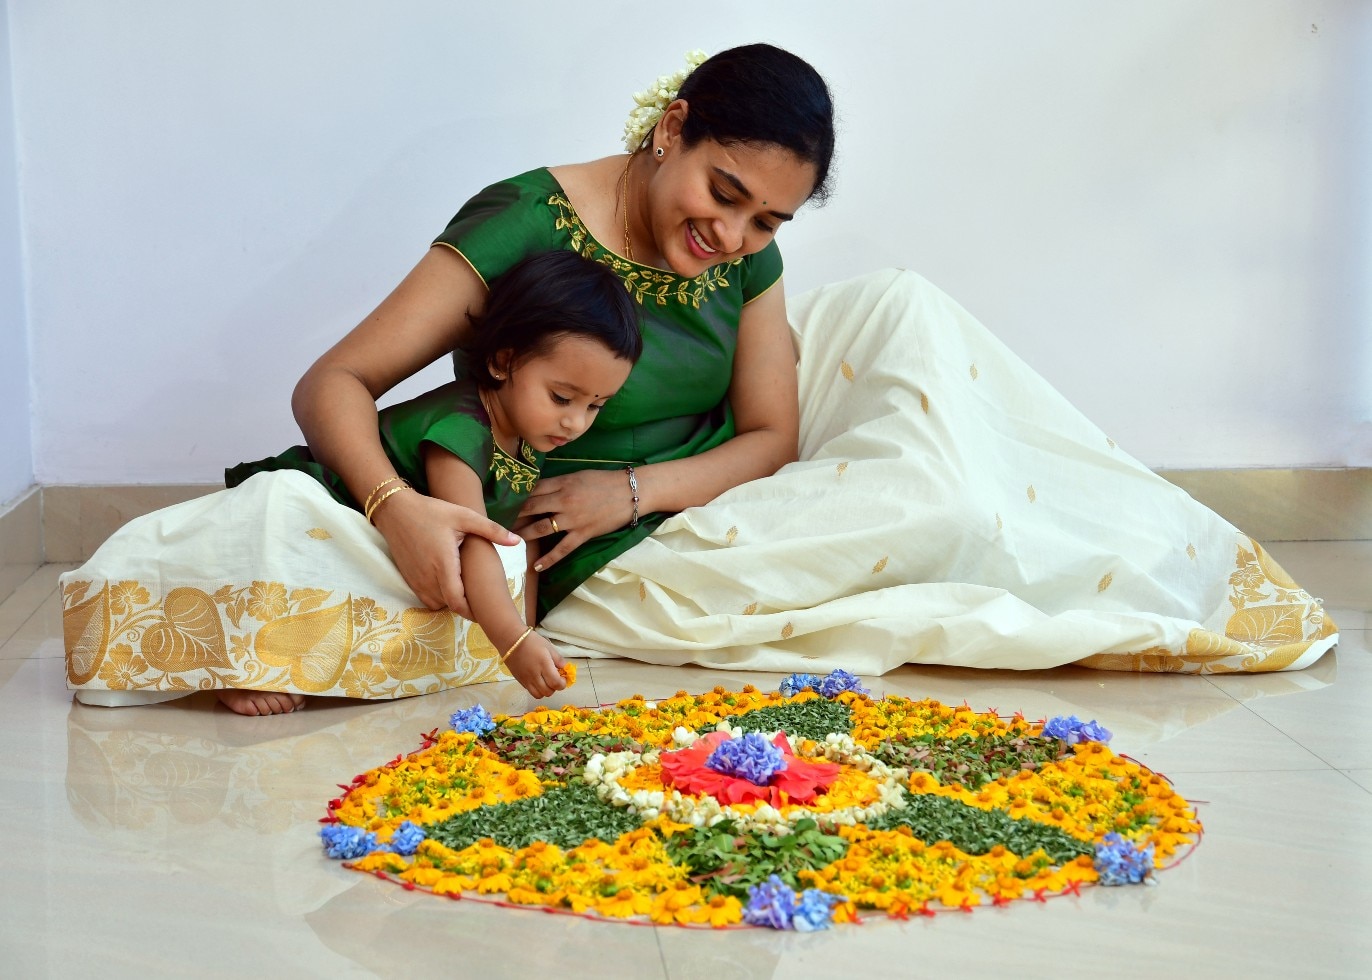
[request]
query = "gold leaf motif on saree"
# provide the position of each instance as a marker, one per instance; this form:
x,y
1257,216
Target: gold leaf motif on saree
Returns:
x,y
423,646
1268,625
189,635
314,645
86,634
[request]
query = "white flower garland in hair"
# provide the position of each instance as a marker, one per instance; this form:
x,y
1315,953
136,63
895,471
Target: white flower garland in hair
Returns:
x,y
654,102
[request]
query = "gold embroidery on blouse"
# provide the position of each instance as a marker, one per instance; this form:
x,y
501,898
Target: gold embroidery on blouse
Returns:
x,y
527,452
506,468
644,283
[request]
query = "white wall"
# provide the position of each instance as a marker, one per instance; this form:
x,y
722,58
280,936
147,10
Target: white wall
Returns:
x,y
16,447
1164,207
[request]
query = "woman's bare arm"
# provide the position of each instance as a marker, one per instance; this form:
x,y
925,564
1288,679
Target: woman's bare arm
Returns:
x,y
423,319
763,395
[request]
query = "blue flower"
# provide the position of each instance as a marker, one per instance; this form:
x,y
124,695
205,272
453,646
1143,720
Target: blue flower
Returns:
x,y
795,683
814,911
749,757
407,838
770,904
476,720
839,681
1072,730
1122,862
346,843
775,904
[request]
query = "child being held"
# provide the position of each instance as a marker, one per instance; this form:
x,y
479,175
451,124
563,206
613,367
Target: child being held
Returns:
x,y
556,340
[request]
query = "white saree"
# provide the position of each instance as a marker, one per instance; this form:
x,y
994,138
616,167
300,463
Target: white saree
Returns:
x,y
949,507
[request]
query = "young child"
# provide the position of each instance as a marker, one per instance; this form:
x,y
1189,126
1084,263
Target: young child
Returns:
x,y
555,342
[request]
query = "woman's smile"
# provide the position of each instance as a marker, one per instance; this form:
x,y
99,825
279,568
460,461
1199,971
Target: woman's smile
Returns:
x,y
697,244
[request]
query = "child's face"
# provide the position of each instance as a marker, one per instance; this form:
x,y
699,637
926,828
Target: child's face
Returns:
x,y
551,399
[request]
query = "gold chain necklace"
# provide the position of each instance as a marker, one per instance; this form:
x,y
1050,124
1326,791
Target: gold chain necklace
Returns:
x,y
624,192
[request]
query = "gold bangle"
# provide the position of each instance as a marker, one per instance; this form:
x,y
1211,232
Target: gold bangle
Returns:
x,y
368,504
515,645
384,497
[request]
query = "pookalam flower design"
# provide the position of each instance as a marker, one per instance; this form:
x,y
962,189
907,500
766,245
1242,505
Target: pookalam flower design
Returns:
x,y
790,811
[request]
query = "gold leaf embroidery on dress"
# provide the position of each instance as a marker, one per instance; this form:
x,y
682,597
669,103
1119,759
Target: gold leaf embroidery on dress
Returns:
x,y
1190,551
881,564
1032,493
424,645
924,402
1110,443
319,534
973,371
846,369
787,631
1000,525
749,609
643,282
731,535
1105,581
181,642
188,634
520,476
526,451
642,592
841,468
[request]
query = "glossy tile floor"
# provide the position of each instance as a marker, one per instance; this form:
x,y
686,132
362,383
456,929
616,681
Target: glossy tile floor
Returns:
x,y
178,840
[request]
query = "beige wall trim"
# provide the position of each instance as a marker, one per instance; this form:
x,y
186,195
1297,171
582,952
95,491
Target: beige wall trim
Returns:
x,y
1286,505
77,520
21,540
1269,504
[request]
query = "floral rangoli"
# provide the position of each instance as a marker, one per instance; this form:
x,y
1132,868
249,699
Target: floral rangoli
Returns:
x,y
792,809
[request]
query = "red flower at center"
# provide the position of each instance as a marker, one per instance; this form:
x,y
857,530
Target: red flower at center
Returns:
x,y
800,782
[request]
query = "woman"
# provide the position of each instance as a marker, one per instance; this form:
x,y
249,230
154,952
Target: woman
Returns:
x,y
947,505
688,220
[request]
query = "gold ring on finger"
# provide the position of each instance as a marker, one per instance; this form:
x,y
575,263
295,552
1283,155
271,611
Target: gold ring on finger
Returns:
x,y
553,522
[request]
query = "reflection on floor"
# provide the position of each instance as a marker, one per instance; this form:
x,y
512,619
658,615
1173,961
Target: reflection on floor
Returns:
x,y
179,839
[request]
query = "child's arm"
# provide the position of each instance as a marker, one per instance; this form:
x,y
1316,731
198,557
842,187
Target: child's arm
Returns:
x,y
535,664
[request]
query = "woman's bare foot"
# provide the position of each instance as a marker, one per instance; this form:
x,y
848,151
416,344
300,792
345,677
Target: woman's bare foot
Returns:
x,y
260,702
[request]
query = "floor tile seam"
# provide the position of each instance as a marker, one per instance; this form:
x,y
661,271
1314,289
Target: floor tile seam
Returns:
x,y
1348,776
22,626
1248,706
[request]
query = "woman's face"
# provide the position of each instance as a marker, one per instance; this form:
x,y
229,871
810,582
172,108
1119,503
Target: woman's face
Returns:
x,y
711,203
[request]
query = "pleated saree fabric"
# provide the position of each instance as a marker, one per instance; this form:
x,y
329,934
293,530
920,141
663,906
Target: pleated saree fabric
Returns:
x,y
949,507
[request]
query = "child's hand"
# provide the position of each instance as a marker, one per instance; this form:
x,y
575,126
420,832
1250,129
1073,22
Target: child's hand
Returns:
x,y
536,665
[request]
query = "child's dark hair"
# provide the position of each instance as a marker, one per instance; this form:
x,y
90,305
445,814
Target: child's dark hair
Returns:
x,y
545,297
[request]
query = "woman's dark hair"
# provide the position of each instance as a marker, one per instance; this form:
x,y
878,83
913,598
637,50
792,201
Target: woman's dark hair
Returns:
x,y
759,93
546,297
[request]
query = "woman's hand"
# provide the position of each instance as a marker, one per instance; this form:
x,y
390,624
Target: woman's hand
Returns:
x,y
585,505
535,665
424,534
